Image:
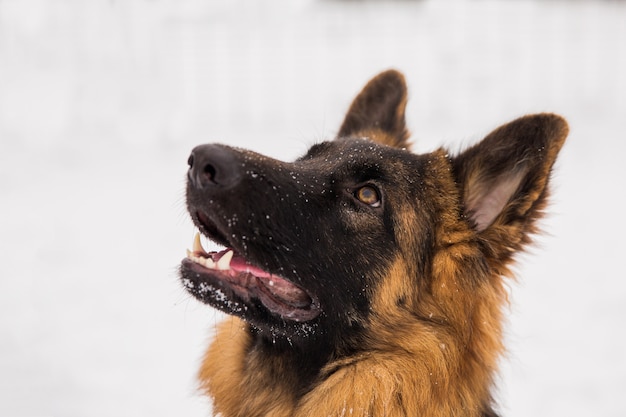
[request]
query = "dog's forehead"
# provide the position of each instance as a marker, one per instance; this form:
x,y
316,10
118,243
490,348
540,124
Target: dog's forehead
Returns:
x,y
353,149
360,159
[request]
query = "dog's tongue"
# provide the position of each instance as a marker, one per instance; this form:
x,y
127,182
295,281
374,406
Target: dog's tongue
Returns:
x,y
280,288
239,264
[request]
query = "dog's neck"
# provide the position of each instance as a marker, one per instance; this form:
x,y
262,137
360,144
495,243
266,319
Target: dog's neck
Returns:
x,y
243,359
302,358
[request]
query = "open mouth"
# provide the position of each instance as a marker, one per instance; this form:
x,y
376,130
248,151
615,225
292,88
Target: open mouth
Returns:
x,y
228,270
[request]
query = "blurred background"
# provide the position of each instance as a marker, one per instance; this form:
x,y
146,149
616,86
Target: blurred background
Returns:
x,y
101,102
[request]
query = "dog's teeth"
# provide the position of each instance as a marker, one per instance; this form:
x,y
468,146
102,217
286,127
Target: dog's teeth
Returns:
x,y
200,256
208,262
224,262
197,245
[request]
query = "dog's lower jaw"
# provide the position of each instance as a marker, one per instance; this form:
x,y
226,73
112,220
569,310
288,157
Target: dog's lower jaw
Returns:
x,y
229,282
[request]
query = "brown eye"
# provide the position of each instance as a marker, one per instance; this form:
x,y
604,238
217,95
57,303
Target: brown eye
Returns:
x,y
368,195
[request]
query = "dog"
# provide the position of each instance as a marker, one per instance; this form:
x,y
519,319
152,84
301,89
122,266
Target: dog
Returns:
x,y
363,279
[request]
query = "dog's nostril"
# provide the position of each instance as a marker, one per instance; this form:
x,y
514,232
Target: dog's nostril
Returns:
x,y
190,161
209,172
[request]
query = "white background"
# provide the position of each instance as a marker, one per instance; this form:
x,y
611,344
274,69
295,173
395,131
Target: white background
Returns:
x,y
101,102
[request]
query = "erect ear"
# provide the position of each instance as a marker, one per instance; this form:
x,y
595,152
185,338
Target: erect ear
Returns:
x,y
504,177
378,111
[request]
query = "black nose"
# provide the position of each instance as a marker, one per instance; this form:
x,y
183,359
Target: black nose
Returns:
x,y
214,166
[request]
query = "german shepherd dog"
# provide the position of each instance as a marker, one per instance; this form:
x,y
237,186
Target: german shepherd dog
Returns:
x,y
363,279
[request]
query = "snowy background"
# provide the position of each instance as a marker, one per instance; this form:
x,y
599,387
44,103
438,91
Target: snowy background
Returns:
x,y
101,102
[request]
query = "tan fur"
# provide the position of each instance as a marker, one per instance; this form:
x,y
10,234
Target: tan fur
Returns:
x,y
243,385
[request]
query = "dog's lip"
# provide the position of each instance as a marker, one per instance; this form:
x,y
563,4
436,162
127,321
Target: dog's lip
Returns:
x,y
231,271
210,229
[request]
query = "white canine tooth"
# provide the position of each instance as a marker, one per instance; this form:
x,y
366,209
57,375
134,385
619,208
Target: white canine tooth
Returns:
x,y
208,262
224,262
197,245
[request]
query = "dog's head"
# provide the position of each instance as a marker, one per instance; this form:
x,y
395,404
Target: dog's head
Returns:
x,y
359,224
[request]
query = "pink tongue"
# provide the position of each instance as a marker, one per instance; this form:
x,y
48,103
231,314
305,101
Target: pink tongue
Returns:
x,y
239,264
280,288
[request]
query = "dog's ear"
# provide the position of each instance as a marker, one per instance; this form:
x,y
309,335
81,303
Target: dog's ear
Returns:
x,y
504,178
378,111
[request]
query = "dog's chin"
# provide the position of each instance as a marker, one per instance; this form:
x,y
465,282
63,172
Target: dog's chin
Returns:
x,y
230,283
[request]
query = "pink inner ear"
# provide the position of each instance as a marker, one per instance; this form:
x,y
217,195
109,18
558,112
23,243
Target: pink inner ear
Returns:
x,y
486,199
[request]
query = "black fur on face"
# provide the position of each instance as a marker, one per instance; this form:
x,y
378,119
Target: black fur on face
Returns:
x,y
324,223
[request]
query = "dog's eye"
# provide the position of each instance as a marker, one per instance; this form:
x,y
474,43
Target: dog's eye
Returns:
x,y
368,195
